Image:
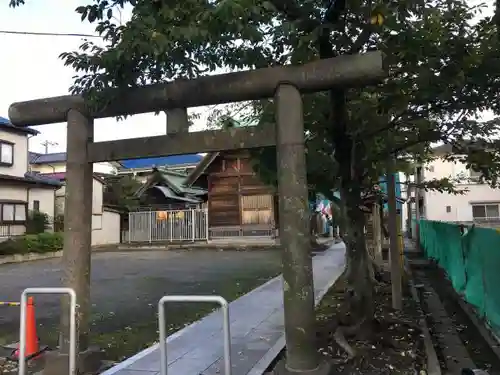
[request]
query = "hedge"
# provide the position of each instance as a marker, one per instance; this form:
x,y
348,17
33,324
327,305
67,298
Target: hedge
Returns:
x,y
32,243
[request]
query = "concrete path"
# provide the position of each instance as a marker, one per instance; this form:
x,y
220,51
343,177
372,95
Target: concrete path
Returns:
x,y
257,334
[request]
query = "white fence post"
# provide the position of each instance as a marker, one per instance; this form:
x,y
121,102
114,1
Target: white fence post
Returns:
x,y
150,224
171,225
207,236
130,226
193,224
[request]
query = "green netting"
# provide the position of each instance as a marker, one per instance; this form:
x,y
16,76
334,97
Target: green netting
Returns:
x,y
471,261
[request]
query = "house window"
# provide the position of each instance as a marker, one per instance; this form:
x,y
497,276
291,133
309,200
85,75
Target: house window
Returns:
x,y
13,213
36,206
448,209
6,153
20,213
485,211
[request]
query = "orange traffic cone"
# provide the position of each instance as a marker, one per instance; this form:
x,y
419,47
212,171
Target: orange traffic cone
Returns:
x,y
32,347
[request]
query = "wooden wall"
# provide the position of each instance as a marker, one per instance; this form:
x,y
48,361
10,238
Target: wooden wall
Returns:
x,y
236,196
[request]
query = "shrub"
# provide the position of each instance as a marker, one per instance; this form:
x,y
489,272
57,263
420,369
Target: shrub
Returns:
x,y
37,222
32,243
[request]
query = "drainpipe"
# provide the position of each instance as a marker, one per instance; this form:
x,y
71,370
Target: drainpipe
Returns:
x,y
28,166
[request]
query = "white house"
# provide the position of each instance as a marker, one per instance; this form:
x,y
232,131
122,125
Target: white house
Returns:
x,y
105,221
56,163
20,191
479,204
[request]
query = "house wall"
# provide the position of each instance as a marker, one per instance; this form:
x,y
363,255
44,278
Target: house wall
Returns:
x,y
106,228
97,193
103,167
20,153
236,196
13,192
46,197
105,223
48,168
438,204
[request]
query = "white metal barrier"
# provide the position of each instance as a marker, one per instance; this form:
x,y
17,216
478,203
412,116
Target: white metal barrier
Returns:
x,y
163,330
72,325
173,225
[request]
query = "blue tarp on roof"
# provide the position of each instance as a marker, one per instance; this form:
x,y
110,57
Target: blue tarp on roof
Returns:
x,y
59,157
162,161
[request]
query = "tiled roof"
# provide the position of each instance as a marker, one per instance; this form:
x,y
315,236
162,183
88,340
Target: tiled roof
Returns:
x,y
6,125
31,179
168,193
61,176
172,185
42,179
56,157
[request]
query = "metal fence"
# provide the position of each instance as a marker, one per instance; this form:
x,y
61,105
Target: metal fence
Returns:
x,y
173,225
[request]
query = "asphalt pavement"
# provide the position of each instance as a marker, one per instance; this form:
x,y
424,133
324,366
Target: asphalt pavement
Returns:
x,y
126,287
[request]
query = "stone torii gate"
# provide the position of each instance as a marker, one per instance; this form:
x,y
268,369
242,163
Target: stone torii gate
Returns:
x,y
286,85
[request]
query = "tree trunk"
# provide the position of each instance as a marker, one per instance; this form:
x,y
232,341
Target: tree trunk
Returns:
x,y
358,263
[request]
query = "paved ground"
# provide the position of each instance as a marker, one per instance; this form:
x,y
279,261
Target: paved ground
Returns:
x,y
127,286
257,331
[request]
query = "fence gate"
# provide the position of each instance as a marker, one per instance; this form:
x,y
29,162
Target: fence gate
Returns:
x,y
174,225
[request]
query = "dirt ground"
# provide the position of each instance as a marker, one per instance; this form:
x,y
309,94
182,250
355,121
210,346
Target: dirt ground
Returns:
x,y
396,346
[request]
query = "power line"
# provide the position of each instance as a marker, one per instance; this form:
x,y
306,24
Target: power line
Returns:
x,y
11,32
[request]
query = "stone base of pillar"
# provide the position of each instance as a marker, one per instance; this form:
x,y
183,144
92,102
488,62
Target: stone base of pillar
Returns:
x,y
281,369
90,362
323,369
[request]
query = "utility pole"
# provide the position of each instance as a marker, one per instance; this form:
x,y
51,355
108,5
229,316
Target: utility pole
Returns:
x,y
394,253
418,182
48,143
408,205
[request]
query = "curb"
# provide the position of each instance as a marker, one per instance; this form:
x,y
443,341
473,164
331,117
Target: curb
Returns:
x,y
30,257
21,258
194,247
433,366
487,335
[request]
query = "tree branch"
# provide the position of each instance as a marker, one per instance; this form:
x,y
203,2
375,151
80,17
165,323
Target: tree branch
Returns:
x,y
294,13
362,39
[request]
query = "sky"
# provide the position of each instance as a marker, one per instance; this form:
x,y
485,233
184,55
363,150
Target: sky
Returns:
x,y
30,69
